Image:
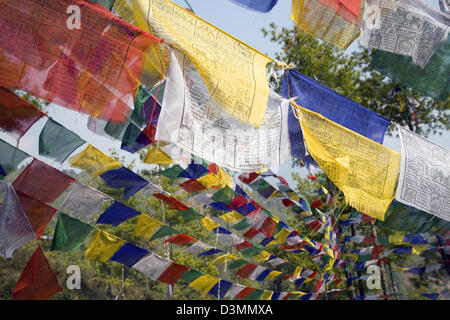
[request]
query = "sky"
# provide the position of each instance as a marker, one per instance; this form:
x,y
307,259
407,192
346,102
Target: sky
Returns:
x,y
240,22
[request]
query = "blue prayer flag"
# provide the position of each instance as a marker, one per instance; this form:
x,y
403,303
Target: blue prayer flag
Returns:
x,y
209,252
419,270
124,178
266,241
223,286
129,254
263,275
220,206
257,5
193,171
221,230
414,239
432,296
116,214
276,295
246,209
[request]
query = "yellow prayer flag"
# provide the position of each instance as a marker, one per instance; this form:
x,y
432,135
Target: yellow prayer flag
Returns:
x,y
263,256
146,226
204,283
419,248
103,246
233,71
224,177
324,22
364,170
157,156
209,224
210,180
224,257
93,161
396,238
297,271
273,275
267,295
232,216
280,237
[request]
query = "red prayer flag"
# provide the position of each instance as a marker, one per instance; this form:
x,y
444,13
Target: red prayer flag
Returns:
x,y
213,168
248,178
39,214
311,177
38,281
17,115
237,202
192,186
283,180
369,240
180,239
267,227
243,245
244,293
93,69
172,273
287,202
42,182
316,203
251,233
376,251
172,202
246,270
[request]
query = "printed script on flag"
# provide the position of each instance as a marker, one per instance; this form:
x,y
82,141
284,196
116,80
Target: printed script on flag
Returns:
x,y
193,122
364,170
425,175
234,73
333,21
406,27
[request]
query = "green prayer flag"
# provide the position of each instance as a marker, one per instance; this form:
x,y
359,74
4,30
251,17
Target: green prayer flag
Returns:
x,y
237,264
70,233
401,217
191,275
241,225
251,252
288,267
190,214
432,81
57,142
225,195
141,98
164,231
172,172
10,157
259,184
158,91
255,295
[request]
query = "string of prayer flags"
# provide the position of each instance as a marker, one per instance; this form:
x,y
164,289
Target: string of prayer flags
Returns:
x,y
368,187
226,64
93,161
355,217
431,81
103,246
429,161
194,122
38,213
257,5
126,179
15,230
37,281
57,142
334,21
116,214
18,115
425,269
70,233
42,182
416,34
94,67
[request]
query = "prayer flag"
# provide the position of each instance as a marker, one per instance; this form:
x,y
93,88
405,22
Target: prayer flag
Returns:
x,y
42,182
129,254
157,156
257,5
368,186
172,273
116,214
37,281
93,161
57,142
126,179
146,226
152,266
70,233
180,239
204,283
103,246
